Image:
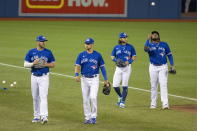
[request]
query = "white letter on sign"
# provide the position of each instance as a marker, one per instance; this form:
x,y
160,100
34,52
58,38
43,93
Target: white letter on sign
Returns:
x,y
86,3
99,3
70,2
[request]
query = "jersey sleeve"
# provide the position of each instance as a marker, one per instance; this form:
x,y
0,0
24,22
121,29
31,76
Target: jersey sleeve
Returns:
x,y
168,51
51,58
113,52
147,43
101,61
133,52
78,60
28,57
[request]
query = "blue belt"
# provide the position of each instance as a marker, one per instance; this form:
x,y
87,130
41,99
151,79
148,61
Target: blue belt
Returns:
x,y
38,74
157,64
88,76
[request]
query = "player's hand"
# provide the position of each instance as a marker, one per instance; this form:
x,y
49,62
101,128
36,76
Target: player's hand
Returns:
x,y
172,70
77,78
36,61
149,36
126,62
106,82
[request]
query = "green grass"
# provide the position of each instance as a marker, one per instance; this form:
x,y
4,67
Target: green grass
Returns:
x,y
65,100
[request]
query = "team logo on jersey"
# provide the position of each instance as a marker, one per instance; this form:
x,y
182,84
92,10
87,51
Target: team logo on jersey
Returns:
x,y
162,54
94,67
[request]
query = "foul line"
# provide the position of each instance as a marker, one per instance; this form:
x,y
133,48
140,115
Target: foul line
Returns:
x,y
139,89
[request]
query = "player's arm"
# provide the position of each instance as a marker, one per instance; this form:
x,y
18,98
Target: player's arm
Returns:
x,y
171,60
51,62
132,56
113,58
113,55
146,46
30,64
77,71
101,64
50,65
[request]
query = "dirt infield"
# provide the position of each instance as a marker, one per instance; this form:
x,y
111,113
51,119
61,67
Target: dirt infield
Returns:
x,y
186,108
91,19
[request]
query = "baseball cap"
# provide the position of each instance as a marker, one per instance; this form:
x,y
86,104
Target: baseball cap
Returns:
x,y
123,35
41,38
89,41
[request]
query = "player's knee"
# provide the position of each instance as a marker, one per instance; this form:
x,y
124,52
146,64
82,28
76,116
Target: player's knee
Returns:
x,y
93,97
43,97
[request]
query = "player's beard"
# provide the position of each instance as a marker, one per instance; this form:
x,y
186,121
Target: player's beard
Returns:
x,y
155,39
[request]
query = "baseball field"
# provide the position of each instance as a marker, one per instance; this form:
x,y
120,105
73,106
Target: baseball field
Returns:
x,y
65,99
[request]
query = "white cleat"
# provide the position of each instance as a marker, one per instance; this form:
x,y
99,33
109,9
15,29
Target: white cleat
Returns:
x,y
44,120
35,120
165,107
122,105
153,107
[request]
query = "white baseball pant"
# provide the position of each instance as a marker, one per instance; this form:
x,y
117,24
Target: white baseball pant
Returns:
x,y
122,74
39,88
90,88
159,75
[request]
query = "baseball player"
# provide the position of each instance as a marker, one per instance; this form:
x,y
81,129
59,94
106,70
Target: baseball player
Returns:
x,y
88,63
158,68
40,59
123,55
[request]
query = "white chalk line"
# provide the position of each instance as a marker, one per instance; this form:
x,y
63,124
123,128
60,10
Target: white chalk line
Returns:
x,y
139,89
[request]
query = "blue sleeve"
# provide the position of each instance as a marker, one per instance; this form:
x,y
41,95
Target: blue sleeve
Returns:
x,y
113,52
133,53
167,50
170,57
51,58
169,54
28,57
146,45
78,60
101,61
103,70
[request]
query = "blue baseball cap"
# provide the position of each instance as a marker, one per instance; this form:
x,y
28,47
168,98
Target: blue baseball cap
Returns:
x,y
123,35
41,38
89,41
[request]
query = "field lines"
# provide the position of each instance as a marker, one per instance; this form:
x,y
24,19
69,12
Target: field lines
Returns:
x,y
69,76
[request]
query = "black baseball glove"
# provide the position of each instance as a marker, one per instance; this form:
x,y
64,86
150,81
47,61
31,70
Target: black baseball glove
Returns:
x,y
172,70
120,63
106,88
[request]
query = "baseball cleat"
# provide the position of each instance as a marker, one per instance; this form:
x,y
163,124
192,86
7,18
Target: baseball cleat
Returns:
x,y
119,101
93,120
165,107
35,120
122,105
87,122
153,107
44,120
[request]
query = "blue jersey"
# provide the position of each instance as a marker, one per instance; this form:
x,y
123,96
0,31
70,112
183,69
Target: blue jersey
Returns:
x,y
124,52
158,52
43,54
90,63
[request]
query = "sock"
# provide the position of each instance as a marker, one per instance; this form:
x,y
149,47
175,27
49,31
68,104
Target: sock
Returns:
x,y
124,93
117,89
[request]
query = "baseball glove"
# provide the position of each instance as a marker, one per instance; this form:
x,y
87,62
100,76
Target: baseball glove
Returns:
x,y
40,64
120,63
172,70
106,88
